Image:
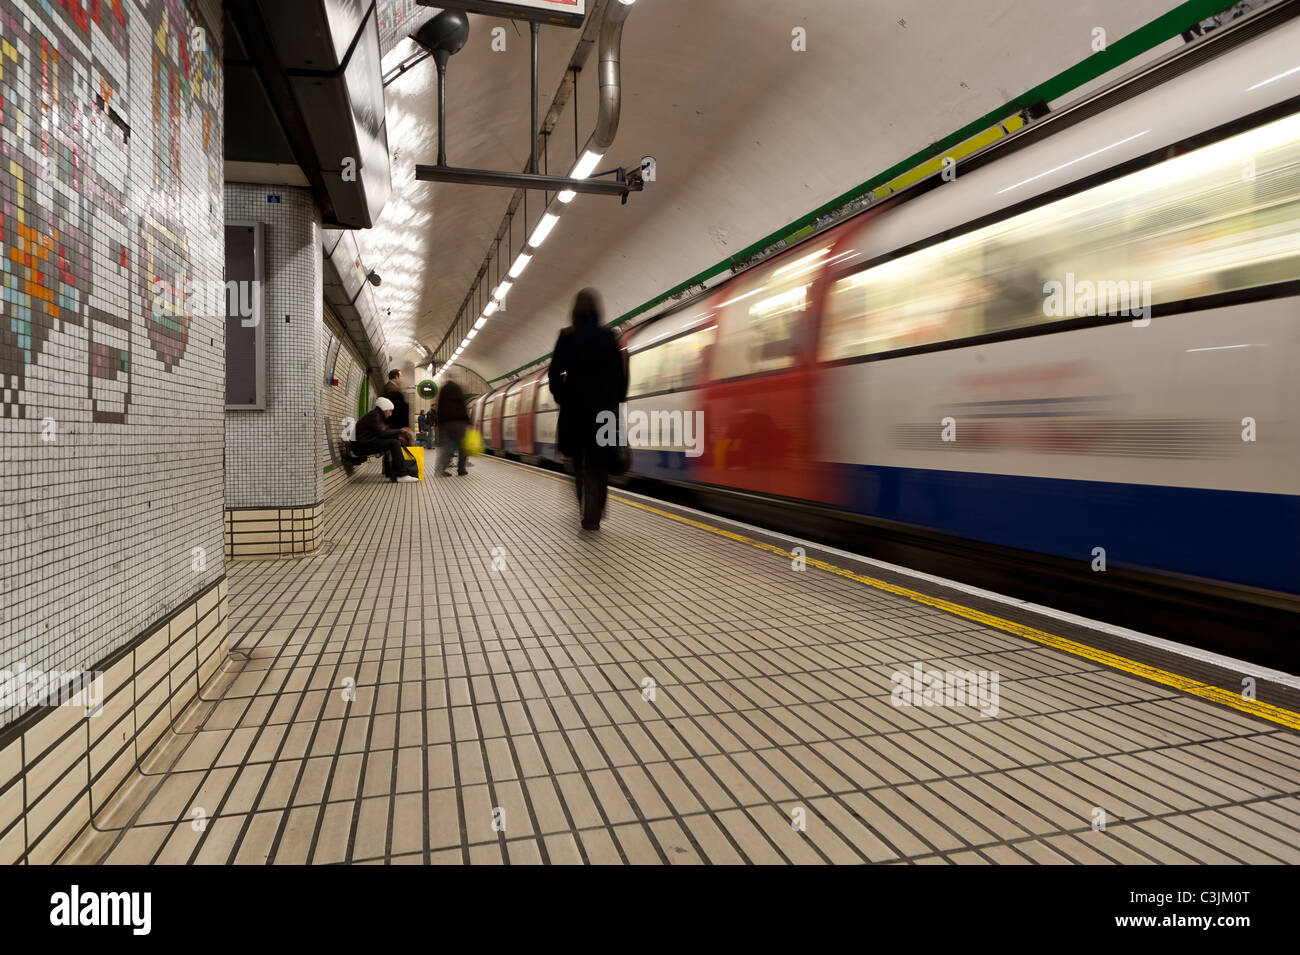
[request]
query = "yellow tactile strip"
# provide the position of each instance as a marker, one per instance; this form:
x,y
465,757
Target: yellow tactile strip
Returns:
x,y
1265,711
477,688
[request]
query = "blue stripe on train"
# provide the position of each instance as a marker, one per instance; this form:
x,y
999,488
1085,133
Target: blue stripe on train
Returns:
x,y
665,465
1236,536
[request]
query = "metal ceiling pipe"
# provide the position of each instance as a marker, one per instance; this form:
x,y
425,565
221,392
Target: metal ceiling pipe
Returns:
x,y
609,75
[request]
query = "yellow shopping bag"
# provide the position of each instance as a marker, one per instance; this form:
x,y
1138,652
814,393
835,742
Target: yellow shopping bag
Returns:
x,y
417,452
472,443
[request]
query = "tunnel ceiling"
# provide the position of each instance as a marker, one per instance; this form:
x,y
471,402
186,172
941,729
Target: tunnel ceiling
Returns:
x,y
748,135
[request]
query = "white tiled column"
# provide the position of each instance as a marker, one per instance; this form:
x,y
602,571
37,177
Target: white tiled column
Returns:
x,y
273,471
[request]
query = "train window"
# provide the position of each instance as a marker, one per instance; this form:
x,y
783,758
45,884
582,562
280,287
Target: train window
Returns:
x,y
512,404
760,325
675,365
545,400
686,358
490,411
1191,226
904,303
643,371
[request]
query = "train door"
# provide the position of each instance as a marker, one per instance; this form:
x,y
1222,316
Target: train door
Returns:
x,y
527,402
545,421
760,418
492,421
510,418
665,359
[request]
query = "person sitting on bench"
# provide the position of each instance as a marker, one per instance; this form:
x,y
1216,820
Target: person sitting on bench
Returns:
x,y
374,436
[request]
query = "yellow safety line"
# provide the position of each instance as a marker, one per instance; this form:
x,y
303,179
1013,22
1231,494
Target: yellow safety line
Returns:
x,y
1214,694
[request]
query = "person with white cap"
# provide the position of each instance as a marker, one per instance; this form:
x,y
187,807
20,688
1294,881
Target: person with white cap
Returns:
x,y
374,436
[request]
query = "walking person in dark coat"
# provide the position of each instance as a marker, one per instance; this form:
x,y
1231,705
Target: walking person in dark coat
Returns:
x,y
453,419
587,377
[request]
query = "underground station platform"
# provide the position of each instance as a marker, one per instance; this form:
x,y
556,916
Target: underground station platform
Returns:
x,y
459,674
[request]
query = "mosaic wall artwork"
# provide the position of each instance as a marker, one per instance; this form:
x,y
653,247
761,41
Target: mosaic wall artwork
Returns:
x,y
110,378
80,244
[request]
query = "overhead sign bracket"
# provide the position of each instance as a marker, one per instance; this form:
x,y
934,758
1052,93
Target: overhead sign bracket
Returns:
x,y
560,13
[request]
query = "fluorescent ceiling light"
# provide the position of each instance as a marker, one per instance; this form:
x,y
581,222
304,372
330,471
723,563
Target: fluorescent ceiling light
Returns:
x,y
500,293
521,263
471,333
586,165
566,196
491,308
543,230
480,323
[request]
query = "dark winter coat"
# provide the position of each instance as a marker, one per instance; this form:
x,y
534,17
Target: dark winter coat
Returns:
x,y
587,376
401,417
373,426
451,405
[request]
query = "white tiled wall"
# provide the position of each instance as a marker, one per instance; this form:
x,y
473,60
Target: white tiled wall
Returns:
x,y
111,407
272,456
338,402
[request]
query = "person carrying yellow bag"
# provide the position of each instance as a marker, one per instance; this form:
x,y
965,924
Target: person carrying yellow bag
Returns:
x,y
473,443
453,423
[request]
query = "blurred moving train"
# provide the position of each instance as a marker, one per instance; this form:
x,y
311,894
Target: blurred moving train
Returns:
x,y
1074,366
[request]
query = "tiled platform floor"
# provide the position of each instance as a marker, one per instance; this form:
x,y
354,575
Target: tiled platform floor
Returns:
x,y
495,658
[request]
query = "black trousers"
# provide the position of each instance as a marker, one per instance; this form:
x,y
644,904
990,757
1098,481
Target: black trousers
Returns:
x,y
591,481
391,448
